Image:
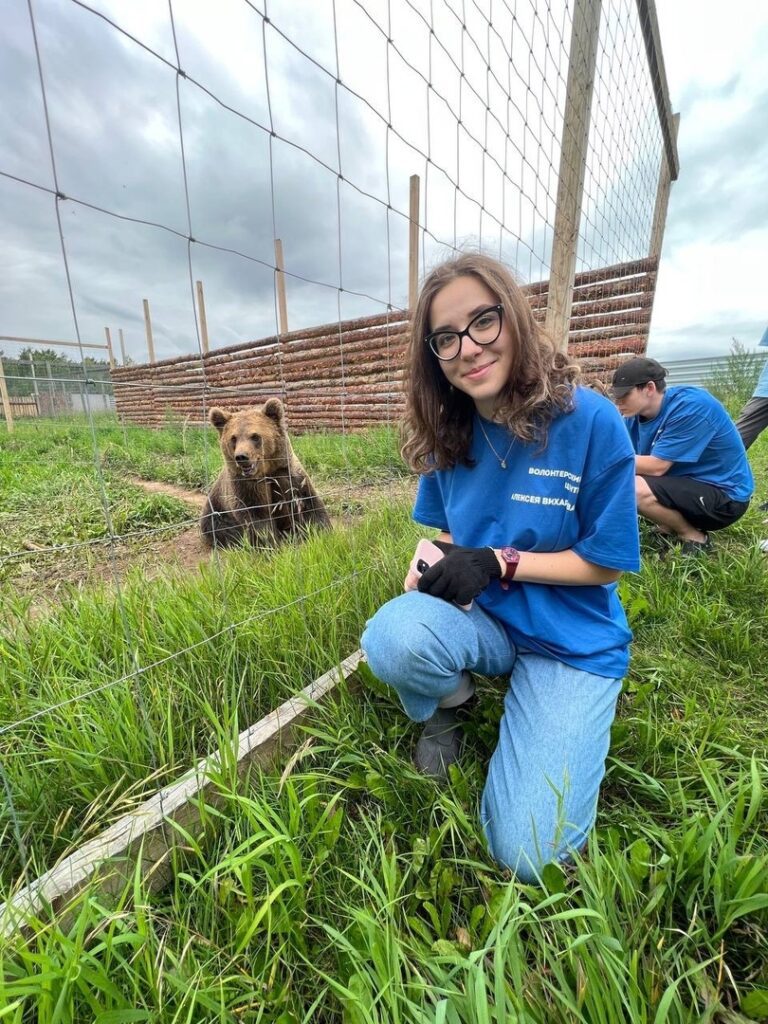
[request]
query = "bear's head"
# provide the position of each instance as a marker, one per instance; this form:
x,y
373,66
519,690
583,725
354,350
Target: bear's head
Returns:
x,y
253,441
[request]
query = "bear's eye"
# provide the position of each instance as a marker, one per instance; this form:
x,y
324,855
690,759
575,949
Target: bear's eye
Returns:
x,y
256,438
233,443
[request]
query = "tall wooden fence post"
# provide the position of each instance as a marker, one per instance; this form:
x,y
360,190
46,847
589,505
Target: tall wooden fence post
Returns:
x,y
203,318
573,161
109,348
51,388
148,328
6,400
662,195
122,346
282,305
413,242
34,376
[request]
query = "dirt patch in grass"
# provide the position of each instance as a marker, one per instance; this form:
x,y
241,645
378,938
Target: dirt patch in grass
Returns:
x,y
47,578
196,498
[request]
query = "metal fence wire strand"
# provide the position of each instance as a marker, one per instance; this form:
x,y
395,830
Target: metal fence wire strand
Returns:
x,y
472,97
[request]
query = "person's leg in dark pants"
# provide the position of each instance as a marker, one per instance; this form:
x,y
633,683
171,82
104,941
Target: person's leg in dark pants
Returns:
x,y
752,420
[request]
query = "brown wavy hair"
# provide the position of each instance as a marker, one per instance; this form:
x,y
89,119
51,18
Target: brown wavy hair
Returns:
x,y
437,429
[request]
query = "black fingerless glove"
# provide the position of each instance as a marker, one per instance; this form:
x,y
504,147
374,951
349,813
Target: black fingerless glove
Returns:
x,y
462,574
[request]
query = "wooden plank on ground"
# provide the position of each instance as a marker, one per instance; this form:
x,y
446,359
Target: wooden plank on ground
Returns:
x,y
146,835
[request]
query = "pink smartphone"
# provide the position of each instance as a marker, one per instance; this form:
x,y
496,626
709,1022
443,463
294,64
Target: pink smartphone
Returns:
x,y
427,554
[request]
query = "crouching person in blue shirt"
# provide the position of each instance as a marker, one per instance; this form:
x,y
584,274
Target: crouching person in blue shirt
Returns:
x,y
529,480
692,473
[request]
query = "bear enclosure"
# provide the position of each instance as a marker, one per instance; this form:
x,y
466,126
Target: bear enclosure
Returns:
x,y
309,164
310,190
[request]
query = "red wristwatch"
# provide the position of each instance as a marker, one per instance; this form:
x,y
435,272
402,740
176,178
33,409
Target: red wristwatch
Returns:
x,y
511,557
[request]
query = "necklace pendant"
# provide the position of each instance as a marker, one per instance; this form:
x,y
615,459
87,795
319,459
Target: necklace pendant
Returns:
x,y
503,463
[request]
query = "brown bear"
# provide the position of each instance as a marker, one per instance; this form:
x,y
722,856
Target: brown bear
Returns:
x,y
263,493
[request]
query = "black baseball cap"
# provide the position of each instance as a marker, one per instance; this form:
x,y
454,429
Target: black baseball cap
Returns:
x,y
634,373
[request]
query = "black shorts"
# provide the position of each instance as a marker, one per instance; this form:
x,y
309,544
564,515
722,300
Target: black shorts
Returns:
x,y
704,506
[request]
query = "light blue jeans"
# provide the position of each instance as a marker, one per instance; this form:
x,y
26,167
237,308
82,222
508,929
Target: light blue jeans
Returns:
x,y
540,796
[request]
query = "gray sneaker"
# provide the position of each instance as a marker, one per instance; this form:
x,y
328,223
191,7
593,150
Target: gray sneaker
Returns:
x,y
439,744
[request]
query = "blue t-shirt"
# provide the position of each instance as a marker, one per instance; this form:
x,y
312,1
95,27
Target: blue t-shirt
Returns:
x,y
694,432
579,493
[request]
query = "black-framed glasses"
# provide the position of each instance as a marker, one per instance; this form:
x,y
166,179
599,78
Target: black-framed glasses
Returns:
x,y
484,328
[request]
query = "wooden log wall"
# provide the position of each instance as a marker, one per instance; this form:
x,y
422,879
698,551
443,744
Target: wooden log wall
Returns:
x,y
349,375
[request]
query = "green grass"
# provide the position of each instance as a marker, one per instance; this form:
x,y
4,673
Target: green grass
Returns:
x,y
278,619
57,478
181,454
53,494
350,889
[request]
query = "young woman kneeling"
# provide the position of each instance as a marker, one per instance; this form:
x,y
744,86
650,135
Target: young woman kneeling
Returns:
x,y
530,480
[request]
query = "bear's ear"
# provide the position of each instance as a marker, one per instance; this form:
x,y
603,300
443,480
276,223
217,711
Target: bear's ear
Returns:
x,y
219,418
273,408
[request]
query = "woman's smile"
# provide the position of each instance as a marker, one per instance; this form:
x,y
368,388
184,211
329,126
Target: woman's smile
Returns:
x,y
479,371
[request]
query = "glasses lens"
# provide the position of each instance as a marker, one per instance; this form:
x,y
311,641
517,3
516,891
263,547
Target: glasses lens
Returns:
x,y
445,345
485,327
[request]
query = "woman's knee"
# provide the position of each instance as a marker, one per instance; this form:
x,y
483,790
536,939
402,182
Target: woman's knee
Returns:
x,y
510,843
526,850
399,637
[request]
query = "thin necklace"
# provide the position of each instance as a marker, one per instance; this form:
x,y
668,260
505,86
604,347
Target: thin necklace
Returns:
x,y
502,462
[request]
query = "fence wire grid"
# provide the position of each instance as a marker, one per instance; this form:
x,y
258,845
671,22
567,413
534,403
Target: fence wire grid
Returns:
x,y
162,146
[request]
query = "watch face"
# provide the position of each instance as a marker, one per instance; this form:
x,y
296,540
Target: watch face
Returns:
x,y
511,556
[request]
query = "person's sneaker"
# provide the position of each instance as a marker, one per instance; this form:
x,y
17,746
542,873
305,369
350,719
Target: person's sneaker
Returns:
x,y
439,744
763,546
696,547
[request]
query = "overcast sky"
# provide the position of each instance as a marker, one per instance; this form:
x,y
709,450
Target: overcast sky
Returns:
x,y
112,106
714,267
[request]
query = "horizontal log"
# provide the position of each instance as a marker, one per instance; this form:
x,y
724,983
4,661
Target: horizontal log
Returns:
x,y
643,284
125,372
614,304
604,367
608,333
621,319
614,272
363,374
584,349
347,339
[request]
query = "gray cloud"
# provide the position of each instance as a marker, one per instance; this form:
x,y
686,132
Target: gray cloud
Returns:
x,y
115,131
722,191
705,339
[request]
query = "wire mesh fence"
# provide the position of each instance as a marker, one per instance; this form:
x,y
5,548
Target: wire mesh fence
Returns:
x,y
537,131
51,387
